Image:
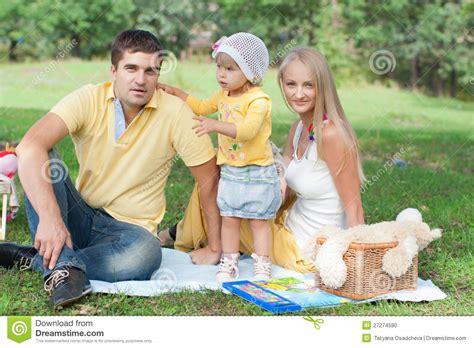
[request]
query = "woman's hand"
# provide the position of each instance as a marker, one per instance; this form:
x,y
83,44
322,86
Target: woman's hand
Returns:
x,y
287,156
285,191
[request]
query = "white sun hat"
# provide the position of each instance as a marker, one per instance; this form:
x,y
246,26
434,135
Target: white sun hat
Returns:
x,y
248,51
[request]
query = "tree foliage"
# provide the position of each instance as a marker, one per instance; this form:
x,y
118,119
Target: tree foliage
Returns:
x,y
430,42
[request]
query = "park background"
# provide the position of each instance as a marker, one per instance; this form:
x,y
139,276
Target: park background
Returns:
x,y
405,75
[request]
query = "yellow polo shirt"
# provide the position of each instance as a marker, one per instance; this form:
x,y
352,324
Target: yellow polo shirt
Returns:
x,y
127,177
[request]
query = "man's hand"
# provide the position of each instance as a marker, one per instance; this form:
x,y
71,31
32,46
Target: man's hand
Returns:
x,y
50,239
205,125
51,234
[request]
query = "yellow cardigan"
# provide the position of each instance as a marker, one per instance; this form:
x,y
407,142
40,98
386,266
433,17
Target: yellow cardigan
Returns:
x,y
251,113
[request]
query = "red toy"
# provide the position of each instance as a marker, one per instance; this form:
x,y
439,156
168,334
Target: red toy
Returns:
x,y
8,168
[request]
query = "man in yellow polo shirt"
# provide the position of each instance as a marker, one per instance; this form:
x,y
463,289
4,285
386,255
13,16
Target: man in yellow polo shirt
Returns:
x,y
126,135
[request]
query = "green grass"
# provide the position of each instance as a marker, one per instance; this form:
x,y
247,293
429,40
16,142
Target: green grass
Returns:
x,y
436,136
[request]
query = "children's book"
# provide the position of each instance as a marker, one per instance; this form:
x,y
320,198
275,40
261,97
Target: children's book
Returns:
x,y
281,295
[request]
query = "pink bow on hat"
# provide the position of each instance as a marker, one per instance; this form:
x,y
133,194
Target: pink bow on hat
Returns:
x,y
215,46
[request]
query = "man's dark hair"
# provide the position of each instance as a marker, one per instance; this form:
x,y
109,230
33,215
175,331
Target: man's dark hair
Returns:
x,y
134,41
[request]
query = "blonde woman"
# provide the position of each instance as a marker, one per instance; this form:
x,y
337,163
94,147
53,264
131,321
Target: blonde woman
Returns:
x,y
322,157
323,169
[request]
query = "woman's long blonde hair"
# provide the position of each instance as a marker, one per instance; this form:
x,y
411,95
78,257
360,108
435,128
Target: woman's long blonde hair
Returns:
x,y
327,102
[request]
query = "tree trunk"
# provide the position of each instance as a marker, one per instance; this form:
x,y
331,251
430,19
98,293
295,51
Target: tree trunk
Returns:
x,y
414,72
453,84
437,82
11,50
77,47
441,88
438,85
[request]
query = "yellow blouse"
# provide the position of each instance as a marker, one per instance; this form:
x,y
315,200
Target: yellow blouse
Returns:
x,y
251,113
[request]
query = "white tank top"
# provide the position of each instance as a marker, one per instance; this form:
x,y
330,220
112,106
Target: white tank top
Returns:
x,y
317,204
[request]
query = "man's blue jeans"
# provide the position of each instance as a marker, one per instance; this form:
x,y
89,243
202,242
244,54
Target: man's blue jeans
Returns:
x,y
105,248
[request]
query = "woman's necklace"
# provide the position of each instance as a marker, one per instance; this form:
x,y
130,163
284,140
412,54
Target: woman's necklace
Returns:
x,y
311,129
311,132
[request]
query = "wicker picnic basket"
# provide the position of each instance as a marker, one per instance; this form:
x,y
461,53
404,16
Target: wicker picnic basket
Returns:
x,y
365,277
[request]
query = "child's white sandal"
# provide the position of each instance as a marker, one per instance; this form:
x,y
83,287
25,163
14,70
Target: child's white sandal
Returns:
x,y
228,268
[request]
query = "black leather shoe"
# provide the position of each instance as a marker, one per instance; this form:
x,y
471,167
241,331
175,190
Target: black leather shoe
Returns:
x,y
66,285
16,255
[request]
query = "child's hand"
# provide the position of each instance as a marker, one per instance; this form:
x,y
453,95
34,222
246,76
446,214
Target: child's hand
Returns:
x,y
167,88
172,90
205,125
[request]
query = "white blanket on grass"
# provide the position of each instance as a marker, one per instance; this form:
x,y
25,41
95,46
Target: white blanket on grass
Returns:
x,y
178,273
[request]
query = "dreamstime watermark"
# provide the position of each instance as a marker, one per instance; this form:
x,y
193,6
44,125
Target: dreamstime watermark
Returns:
x,y
382,62
54,171
162,172
282,52
35,298
53,63
164,61
165,280
469,35
388,164
381,282
316,322
19,329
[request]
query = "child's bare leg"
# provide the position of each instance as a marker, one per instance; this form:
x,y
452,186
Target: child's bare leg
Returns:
x,y
262,236
230,234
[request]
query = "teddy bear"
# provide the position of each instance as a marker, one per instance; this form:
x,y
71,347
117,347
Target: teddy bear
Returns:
x,y
409,230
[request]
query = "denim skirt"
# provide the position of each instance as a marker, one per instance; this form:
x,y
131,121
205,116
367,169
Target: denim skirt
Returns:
x,y
249,192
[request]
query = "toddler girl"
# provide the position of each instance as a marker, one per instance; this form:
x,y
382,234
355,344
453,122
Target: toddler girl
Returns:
x,y
249,184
